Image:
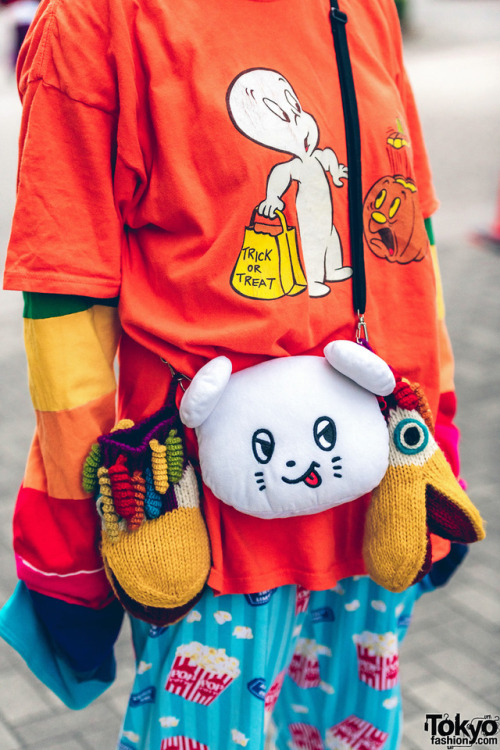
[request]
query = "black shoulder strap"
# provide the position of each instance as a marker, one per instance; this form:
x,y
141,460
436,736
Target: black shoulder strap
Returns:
x,y
338,21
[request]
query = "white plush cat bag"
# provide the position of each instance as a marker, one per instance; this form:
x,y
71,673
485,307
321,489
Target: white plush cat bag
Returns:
x,y
293,435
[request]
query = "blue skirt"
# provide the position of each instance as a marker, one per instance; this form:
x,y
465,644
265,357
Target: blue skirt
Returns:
x,y
285,668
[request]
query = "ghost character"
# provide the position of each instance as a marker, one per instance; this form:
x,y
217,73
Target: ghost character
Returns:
x,y
264,107
293,435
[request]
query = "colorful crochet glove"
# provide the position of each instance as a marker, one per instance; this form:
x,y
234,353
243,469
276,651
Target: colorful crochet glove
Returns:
x,y
154,544
418,494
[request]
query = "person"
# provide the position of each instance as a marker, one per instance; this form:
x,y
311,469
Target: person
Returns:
x,y
154,137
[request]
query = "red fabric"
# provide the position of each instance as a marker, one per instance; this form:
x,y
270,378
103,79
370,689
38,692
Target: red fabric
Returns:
x,y
447,433
445,518
52,545
447,436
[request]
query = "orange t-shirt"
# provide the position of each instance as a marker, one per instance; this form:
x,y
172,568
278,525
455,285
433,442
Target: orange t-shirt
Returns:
x,y
151,132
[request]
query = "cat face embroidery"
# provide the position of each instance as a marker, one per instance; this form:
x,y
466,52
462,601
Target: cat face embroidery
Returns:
x,y
293,435
325,438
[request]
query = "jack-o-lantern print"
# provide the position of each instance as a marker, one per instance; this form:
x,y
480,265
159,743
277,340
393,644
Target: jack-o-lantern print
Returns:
x,y
393,225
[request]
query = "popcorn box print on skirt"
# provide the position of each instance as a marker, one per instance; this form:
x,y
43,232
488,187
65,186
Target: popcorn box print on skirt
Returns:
x,y
304,671
272,694
355,734
378,660
201,673
302,600
304,667
182,743
305,737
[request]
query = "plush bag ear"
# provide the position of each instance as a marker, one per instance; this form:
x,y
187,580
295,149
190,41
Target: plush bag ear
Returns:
x,y
204,392
361,365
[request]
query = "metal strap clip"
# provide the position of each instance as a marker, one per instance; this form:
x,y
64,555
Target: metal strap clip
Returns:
x,y
338,15
176,375
362,329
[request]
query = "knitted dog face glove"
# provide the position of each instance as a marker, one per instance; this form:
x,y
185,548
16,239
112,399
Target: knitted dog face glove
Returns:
x,y
154,544
293,435
418,494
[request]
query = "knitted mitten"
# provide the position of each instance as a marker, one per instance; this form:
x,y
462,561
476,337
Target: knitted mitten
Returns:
x,y
154,541
418,494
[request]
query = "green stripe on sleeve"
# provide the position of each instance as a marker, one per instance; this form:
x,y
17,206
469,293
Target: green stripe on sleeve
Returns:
x,y
430,230
38,306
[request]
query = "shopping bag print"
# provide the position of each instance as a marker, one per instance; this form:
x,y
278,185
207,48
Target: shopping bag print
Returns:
x,y
268,265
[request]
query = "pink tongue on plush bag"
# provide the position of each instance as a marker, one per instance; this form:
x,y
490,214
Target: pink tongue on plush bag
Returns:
x,y
313,479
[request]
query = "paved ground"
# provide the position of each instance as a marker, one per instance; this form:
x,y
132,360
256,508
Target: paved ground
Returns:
x,y
451,659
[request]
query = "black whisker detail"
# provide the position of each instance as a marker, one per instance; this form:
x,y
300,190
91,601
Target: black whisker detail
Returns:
x,y
335,459
338,475
338,466
262,488
259,474
260,481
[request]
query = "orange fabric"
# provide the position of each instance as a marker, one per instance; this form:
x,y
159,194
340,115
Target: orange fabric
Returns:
x,y
138,175
61,443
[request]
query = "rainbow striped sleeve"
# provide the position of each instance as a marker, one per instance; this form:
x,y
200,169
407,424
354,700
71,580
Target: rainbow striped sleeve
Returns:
x,y
447,433
71,344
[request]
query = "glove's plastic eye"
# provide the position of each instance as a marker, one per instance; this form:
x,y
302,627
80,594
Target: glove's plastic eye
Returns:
x,y
263,446
411,436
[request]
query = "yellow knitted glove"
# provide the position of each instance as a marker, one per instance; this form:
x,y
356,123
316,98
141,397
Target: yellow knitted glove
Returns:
x,y
418,494
159,570
154,541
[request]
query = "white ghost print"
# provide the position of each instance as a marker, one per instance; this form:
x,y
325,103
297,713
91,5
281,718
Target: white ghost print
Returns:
x,y
264,107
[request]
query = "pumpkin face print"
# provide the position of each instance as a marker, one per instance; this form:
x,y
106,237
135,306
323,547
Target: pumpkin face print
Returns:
x,y
393,225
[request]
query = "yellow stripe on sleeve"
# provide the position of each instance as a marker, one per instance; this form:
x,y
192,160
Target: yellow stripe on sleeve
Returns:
x,y
70,358
446,361
439,284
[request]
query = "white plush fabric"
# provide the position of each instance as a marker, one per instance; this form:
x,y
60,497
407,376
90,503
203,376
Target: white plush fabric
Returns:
x,y
287,437
198,402
361,365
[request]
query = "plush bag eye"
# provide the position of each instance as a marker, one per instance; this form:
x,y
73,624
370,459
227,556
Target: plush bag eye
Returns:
x,y
411,436
325,433
263,446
